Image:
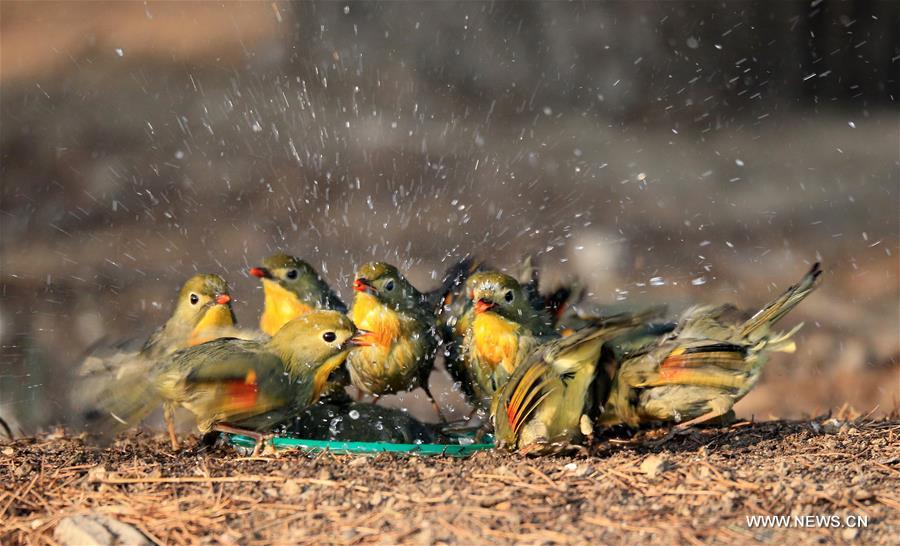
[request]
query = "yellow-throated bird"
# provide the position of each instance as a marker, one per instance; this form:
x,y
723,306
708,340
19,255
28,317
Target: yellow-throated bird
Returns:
x,y
202,312
401,322
547,401
292,288
459,312
709,362
500,328
241,386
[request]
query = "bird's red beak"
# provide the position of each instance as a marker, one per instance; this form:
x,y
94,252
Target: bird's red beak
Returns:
x,y
223,299
260,272
362,285
483,305
361,339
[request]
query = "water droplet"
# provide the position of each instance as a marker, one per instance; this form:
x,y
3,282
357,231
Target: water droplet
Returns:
x,y
353,414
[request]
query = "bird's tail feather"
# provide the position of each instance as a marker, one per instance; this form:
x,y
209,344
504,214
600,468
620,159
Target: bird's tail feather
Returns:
x,y
111,402
775,310
453,278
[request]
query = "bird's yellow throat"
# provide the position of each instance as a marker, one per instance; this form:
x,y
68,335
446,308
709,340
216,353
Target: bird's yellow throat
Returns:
x,y
369,314
210,326
281,306
495,340
321,377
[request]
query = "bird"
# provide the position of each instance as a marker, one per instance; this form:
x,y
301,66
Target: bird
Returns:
x,y
546,403
292,288
244,386
501,325
403,338
202,312
704,366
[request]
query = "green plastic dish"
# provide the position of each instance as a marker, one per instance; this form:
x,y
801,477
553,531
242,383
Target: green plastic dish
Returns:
x,y
365,448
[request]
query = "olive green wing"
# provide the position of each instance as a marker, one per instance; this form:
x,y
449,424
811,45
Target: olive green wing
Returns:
x,y
229,379
520,397
707,363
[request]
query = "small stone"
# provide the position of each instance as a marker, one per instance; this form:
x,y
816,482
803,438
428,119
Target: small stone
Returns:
x,y
655,465
426,535
850,533
862,494
290,488
587,428
832,426
96,474
571,467
97,530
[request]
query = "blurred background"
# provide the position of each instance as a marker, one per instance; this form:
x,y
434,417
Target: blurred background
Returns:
x,y
658,151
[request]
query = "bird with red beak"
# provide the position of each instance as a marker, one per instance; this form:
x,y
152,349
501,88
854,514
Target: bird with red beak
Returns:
x,y
402,334
292,288
202,313
502,326
243,386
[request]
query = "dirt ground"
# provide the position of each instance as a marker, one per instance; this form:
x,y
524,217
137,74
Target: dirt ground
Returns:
x,y
697,488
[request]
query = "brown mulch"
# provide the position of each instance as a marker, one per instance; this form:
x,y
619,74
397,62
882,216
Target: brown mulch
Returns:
x,y
687,489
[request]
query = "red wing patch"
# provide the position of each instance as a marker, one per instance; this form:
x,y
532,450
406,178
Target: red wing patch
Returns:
x,y
243,394
526,397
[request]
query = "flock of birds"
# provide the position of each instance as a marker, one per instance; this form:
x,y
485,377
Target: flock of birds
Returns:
x,y
545,372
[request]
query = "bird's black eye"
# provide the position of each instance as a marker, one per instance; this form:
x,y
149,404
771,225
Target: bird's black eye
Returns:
x,y
194,299
509,296
389,285
291,274
329,336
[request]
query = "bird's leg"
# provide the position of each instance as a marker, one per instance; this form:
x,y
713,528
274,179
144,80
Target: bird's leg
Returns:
x,y
482,431
718,407
169,416
434,404
258,437
437,410
587,429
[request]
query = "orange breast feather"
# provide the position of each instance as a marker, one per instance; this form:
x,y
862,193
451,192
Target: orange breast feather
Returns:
x,y
496,341
382,323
